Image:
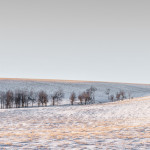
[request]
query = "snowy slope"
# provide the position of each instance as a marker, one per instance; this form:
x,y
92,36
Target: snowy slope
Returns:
x,y
118,125
137,90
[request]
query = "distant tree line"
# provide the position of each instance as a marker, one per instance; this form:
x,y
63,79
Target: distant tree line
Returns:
x,y
120,95
24,98
86,97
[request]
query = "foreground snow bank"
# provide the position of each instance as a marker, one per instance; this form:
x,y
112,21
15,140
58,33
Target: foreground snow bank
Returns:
x,y
119,125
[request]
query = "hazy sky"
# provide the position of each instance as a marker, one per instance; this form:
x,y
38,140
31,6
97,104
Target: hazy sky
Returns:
x,y
104,40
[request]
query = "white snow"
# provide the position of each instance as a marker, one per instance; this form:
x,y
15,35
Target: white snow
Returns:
x,y
119,125
113,125
137,90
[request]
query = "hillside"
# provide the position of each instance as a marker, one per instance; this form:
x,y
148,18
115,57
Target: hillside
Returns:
x,y
50,86
118,125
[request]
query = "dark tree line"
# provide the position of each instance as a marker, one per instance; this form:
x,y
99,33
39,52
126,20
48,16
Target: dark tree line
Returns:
x,y
86,97
57,97
23,98
120,95
18,99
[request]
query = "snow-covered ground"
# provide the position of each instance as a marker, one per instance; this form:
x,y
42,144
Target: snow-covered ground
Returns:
x,y
118,125
112,125
50,86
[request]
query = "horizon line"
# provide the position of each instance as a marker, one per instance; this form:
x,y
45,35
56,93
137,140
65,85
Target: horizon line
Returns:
x,y
67,80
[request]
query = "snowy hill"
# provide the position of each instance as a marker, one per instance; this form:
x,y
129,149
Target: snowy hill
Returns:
x,y
50,86
118,125
112,125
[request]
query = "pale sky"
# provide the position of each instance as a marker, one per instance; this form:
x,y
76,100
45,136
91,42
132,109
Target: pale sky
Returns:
x,y
99,40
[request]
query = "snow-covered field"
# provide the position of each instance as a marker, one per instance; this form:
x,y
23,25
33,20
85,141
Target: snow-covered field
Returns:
x,y
50,86
113,125
119,125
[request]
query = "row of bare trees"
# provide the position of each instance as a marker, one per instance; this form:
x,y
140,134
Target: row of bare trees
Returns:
x,y
23,98
86,97
121,95
12,99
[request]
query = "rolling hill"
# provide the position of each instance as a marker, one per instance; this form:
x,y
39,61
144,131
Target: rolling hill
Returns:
x,y
50,86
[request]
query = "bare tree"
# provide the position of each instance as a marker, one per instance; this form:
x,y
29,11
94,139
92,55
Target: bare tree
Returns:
x,y
57,97
80,97
118,96
3,98
9,99
43,98
18,98
72,98
31,97
54,97
111,98
91,94
24,100
129,94
122,94
86,97
107,92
